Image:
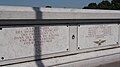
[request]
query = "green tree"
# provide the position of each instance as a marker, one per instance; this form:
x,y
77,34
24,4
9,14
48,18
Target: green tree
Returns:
x,y
115,1
104,5
115,4
91,6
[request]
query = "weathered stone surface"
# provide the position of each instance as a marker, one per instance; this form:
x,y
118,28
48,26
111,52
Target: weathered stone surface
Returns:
x,y
30,41
91,36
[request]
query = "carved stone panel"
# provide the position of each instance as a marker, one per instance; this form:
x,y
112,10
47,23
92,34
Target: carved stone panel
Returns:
x,y
21,42
90,36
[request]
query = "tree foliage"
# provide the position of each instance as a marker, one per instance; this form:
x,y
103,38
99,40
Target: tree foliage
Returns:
x,y
115,1
105,4
115,4
91,6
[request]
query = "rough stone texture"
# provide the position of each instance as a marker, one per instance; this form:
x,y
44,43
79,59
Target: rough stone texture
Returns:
x,y
115,64
13,12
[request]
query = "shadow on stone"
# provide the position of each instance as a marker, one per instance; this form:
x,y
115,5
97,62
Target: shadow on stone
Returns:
x,y
37,38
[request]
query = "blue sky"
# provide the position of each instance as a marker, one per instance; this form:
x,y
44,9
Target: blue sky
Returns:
x,y
54,3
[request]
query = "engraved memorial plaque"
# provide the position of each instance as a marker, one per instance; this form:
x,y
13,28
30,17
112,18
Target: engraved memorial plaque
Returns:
x,y
90,36
21,42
